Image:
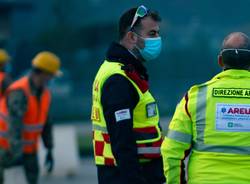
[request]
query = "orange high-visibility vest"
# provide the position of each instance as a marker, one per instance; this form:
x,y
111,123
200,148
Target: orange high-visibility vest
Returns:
x,y
33,120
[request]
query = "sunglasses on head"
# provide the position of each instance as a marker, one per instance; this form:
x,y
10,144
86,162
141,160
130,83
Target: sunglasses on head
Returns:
x,y
141,12
234,51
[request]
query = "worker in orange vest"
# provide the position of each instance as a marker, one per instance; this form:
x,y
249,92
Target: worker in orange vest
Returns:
x,y
5,79
24,118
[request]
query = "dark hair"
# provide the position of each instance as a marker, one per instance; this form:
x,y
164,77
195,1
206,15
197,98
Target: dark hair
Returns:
x,y
127,18
39,71
36,70
236,55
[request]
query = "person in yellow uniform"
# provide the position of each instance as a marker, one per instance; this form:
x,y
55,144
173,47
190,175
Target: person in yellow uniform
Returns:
x,y
125,117
212,123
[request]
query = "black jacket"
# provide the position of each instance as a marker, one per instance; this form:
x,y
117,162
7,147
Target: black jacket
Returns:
x,y
119,93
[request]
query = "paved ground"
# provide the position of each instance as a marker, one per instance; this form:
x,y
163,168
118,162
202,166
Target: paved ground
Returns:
x,y
84,170
86,175
69,169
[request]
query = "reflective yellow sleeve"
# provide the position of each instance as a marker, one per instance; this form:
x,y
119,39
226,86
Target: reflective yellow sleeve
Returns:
x,y
177,142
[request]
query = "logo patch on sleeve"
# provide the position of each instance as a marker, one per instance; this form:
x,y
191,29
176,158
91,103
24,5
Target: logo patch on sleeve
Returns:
x,y
122,115
151,110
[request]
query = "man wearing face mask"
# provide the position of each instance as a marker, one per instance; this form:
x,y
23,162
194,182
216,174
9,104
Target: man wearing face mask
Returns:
x,y
24,118
127,135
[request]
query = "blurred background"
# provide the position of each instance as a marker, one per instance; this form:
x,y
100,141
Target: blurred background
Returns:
x,y
80,31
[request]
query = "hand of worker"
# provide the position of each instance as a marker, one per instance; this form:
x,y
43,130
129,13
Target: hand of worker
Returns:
x,y
49,161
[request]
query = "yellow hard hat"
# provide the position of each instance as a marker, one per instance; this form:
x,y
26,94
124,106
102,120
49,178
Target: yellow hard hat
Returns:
x,y
48,62
4,56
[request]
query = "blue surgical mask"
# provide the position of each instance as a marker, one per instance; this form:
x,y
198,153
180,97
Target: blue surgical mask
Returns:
x,y
152,48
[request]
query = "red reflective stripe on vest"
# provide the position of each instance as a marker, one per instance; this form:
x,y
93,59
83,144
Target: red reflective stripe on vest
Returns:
x,y
109,161
99,148
141,145
157,143
186,105
106,137
146,133
150,156
146,130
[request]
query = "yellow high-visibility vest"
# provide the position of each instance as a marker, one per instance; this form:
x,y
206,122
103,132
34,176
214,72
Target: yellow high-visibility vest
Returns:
x,y
145,120
213,119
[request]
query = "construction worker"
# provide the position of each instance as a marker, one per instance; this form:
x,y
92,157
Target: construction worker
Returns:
x,y
5,79
213,122
125,117
24,117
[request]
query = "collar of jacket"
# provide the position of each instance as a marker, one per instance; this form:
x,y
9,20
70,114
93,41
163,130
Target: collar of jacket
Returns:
x,y
118,53
233,73
34,90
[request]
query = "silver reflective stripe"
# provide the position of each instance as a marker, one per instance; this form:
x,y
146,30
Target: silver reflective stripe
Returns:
x,y
201,125
3,134
223,149
4,117
148,150
179,136
28,142
201,114
37,127
100,128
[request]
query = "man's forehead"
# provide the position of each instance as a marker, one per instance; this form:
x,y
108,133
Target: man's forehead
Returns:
x,y
148,24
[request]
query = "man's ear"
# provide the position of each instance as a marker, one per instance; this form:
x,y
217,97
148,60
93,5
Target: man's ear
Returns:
x,y
131,37
220,61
